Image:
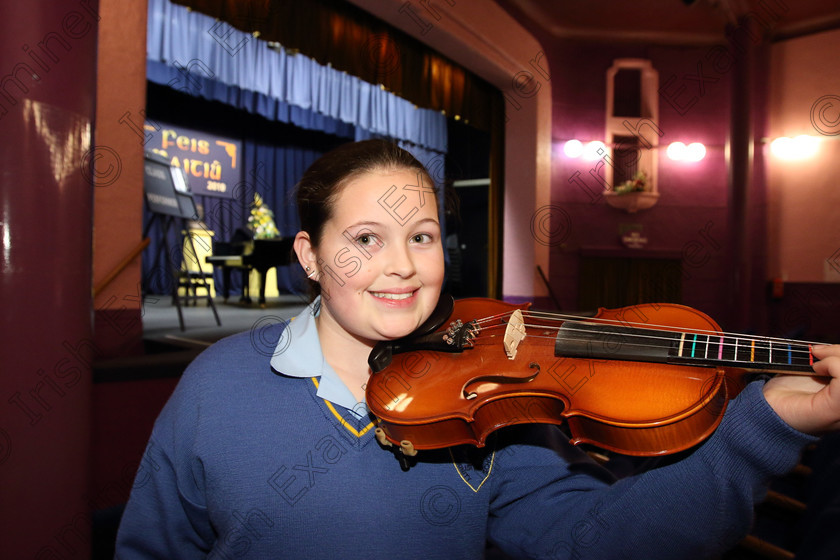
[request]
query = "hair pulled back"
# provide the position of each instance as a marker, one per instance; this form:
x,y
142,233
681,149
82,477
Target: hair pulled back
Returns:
x,y
321,184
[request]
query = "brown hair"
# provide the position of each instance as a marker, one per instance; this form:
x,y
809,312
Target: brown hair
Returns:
x,y
321,184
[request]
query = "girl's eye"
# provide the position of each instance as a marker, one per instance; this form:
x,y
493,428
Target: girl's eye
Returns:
x,y
421,238
366,239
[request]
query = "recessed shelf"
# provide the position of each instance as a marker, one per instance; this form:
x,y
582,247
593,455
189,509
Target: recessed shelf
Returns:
x,y
631,202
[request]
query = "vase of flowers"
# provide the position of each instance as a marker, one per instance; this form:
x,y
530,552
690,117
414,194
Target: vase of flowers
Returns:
x,y
261,220
637,184
632,195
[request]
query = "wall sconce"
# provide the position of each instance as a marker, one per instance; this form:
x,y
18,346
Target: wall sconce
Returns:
x,y
590,151
678,151
573,149
594,150
800,147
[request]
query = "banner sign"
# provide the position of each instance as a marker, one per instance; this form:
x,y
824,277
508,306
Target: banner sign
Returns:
x,y
212,164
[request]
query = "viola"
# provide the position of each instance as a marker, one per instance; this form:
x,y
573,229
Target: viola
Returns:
x,y
644,380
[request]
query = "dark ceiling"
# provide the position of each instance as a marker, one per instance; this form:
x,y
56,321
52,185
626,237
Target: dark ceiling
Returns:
x,y
683,22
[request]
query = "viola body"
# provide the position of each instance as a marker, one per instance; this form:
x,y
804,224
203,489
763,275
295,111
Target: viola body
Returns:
x,y
428,398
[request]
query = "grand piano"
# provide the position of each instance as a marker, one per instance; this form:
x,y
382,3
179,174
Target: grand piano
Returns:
x,y
246,255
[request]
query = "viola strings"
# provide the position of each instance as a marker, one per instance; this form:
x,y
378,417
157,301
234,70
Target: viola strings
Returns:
x,y
645,331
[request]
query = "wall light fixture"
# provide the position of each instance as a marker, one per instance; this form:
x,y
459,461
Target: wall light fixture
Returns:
x,y
678,151
800,147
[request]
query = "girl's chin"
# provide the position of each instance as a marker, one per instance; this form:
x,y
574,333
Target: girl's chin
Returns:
x,y
394,332
395,323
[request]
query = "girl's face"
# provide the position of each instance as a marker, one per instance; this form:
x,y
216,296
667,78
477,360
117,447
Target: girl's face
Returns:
x,y
380,260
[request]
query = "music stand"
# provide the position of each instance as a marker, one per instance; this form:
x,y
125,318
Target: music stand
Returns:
x,y
170,202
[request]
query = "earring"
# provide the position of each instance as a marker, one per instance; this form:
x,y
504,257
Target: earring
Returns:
x,y
311,274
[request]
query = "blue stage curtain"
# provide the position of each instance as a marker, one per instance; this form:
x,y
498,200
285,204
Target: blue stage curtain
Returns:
x,y
192,49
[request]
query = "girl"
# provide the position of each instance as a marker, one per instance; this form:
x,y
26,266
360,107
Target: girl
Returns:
x,y
274,456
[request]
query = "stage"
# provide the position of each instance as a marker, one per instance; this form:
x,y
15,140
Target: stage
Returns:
x,y
160,319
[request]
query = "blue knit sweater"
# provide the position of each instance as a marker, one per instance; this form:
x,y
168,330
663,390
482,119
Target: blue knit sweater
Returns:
x,y
245,462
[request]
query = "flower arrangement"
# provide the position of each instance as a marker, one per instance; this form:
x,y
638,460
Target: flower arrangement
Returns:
x,y
261,220
637,184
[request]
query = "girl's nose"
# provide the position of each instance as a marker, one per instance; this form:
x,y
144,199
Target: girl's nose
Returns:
x,y
400,262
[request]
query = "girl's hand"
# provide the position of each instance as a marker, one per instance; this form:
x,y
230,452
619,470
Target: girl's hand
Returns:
x,y
809,404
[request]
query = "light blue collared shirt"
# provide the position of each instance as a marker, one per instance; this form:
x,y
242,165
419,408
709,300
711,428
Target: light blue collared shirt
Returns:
x,y
298,354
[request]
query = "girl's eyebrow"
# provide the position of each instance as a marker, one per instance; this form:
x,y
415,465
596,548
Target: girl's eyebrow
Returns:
x,y
372,224
427,220
364,224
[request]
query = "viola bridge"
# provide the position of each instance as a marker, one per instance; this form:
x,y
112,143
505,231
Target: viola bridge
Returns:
x,y
514,333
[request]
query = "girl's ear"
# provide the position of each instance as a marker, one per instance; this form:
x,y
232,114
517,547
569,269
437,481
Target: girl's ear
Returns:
x,y
306,255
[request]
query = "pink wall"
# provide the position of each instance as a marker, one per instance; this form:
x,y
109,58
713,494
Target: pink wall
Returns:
x,y
793,223
689,221
804,198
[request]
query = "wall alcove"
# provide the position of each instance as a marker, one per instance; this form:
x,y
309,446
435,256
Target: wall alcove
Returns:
x,y
632,135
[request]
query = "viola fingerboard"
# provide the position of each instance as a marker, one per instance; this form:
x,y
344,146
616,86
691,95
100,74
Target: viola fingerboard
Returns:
x,y
592,340
745,352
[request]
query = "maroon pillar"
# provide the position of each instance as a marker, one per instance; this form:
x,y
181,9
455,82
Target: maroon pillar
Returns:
x,y
742,46
47,85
